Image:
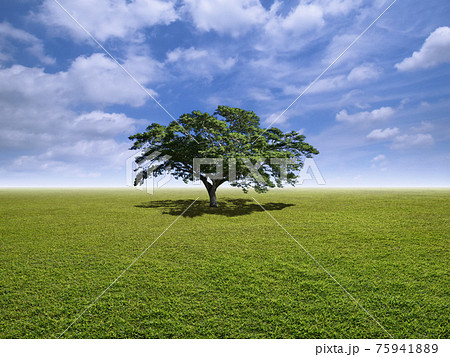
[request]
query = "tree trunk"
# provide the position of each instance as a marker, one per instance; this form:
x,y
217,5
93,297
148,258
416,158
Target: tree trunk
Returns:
x,y
211,188
212,196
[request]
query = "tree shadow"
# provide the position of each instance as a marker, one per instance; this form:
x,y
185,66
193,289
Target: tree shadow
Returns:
x,y
229,207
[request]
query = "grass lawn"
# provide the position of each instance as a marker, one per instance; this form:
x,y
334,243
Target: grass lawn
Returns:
x,y
230,272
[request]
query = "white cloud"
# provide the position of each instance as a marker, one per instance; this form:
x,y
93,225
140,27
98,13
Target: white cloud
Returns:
x,y
98,79
35,108
101,124
98,152
282,30
7,30
378,158
416,141
338,7
58,140
82,158
364,72
34,45
403,103
236,17
268,69
289,26
260,94
338,43
381,114
38,118
302,19
105,19
321,86
199,63
328,84
357,75
23,87
94,79
82,146
425,126
380,161
380,134
275,119
233,17
16,138
435,50
418,137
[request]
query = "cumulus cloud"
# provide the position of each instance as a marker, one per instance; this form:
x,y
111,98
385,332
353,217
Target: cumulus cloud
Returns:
x,y
233,17
381,114
260,94
58,140
94,79
17,36
276,27
42,126
435,50
100,124
288,31
40,117
98,79
35,109
7,30
106,19
418,137
380,134
328,84
236,17
198,63
356,76
30,93
410,141
82,159
301,19
277,118
364,72
424,126
338,7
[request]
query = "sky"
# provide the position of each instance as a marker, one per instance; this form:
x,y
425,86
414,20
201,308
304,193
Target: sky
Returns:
x,y
379,115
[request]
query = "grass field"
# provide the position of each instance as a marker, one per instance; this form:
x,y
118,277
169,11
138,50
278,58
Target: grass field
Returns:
x,y
230,272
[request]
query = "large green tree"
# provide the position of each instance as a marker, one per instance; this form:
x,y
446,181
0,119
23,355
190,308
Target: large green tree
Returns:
x,y
248,156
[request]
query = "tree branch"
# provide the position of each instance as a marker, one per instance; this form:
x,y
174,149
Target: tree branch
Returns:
x,y
205,182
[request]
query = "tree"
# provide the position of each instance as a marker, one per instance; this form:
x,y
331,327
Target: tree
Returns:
x,y
248,155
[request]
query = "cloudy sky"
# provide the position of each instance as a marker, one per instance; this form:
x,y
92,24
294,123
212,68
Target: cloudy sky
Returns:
x,y
379,116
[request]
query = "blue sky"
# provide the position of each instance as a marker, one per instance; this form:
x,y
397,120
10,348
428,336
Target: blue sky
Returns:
x,y
379,116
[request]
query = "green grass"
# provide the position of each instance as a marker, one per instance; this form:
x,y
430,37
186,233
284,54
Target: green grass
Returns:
x,y
230,272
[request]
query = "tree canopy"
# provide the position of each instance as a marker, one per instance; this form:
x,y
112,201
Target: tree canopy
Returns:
x,y
248,156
